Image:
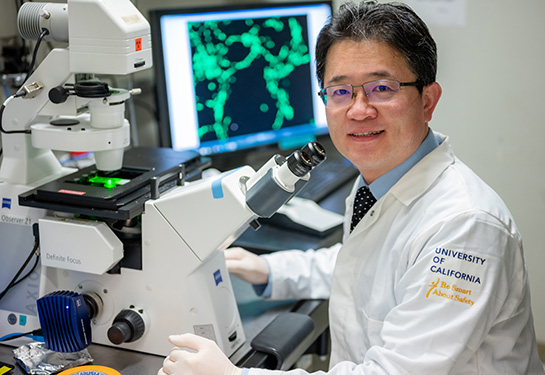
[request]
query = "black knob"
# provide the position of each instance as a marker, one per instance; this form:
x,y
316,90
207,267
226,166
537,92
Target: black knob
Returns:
x,y
128,326
58,94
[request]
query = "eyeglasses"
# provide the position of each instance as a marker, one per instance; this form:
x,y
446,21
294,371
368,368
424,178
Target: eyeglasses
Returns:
x,y
380,91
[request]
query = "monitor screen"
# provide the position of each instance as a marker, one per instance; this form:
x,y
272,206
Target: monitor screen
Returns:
x,y
232,79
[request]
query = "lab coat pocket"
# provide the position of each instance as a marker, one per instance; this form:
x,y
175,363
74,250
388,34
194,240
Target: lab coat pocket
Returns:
x,y
372,330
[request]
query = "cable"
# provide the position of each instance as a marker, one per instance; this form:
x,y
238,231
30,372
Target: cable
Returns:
x,y
17,95
35,53
21,92
34,251
14,281
37,335
29,272
6,91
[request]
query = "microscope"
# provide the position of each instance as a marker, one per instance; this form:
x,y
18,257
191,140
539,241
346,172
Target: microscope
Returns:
x,y
134,244
62,106
182,283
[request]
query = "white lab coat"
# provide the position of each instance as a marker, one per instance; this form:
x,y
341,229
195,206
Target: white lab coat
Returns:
x,y
431,281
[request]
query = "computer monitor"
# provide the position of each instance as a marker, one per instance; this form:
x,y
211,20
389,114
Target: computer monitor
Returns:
x,y
235,78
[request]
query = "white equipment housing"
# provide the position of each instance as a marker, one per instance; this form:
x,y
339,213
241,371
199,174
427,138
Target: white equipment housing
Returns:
x,y
184,285
104,37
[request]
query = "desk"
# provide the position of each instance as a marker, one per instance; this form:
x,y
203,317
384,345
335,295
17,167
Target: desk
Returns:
x,y
271,238
255,313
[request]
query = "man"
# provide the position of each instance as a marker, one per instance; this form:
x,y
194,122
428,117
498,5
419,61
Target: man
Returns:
x,y
432,279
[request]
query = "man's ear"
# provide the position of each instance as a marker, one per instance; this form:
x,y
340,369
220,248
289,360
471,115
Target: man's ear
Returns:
x,y
430,96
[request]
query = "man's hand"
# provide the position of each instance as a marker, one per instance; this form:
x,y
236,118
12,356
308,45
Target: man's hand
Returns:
x,y
247,266
196,355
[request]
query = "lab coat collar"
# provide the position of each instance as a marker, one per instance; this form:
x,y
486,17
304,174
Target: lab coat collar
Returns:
x,y
410,186
419,178
384,183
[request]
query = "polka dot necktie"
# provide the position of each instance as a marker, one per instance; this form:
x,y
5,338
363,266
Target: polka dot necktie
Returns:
x,y
363,201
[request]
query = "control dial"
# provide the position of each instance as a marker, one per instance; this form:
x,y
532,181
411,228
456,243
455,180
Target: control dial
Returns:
x,y
128,326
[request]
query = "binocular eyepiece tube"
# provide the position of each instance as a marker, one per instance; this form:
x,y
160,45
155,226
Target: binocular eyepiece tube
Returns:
x,y
280,182
300,162
316,152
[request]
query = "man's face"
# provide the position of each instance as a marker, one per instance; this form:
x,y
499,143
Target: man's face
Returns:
x,y
376,137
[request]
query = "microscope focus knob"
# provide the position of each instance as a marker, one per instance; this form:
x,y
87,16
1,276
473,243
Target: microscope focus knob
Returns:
x,y
128,326
58,94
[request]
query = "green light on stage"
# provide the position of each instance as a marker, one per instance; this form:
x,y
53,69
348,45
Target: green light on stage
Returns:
x,y
107,182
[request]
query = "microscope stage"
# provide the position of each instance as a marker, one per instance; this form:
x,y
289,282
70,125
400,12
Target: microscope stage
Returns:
x,y
117,194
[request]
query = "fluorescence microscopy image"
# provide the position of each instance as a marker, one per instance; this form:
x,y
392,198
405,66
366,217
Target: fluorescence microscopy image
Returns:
x,y
250,75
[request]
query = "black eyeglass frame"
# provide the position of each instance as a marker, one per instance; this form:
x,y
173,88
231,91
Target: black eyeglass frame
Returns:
x,y
322,93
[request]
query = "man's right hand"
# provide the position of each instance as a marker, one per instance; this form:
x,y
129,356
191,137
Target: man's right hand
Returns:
x,y
247,266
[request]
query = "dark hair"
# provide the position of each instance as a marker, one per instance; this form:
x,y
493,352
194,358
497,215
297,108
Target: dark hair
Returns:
x,y
393,23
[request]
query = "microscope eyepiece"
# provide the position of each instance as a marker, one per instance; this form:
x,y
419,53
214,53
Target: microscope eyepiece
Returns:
x,y
299,163
316,152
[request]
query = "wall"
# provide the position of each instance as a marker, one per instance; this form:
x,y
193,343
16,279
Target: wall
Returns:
x,y
491,71
492,74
